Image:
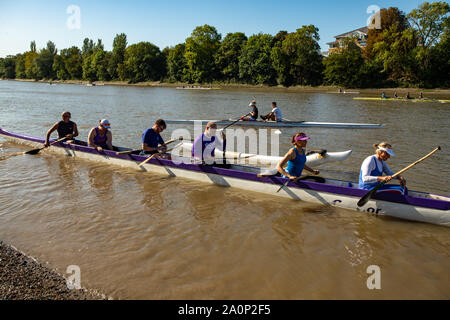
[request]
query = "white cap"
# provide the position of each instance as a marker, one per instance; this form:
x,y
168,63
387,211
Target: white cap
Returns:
x,y
389,151
105,123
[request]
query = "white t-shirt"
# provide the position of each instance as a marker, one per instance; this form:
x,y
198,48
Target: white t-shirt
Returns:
x,y
278,114
369,164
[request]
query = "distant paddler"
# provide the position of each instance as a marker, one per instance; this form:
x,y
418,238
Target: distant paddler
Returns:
x,y
408,96
152,142
65,128
374,166
253,116
205,145
274,115
383,96
295,158
100,137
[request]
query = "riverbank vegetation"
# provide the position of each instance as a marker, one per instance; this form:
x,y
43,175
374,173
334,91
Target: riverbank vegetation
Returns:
x,y
407,50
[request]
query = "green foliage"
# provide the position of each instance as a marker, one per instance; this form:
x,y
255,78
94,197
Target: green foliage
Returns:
x,y
44,61
227,56
176,63
31,71
118,54
430,21
343,68
20,66
255,63
201,47
143,62
298,60
7,67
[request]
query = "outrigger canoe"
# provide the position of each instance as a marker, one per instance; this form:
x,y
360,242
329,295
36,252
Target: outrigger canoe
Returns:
x,y
282,124
401,99
417,206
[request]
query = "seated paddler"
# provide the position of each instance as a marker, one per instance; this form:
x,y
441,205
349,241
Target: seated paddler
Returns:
x,y
295,158
100,137
373,168
65,128
152,142
205,145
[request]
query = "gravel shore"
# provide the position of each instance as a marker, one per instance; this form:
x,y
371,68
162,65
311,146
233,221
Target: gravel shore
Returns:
x,y
23,278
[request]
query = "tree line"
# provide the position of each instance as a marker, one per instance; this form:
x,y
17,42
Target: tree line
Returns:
x,y
407,50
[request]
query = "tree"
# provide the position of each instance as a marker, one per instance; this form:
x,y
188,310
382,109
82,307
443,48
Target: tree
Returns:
x,y
298,60
20,66
255,63
118,54
88,47
343,67
31,71
391,19
176,63
8,67
143,62
73,62
227,56
44,61
430,21
59,68
201,47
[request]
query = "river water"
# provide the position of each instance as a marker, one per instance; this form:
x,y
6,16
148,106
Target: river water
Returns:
x,y
138,235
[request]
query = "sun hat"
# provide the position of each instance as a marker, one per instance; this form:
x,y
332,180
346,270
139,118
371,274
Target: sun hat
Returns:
x,y
302,137
389,151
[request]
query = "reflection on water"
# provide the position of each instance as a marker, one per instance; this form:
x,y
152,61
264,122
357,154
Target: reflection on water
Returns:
x,y
140,235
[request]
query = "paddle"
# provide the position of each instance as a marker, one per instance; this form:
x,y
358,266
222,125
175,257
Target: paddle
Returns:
x,y
139,150
369,194
307,177
156,154
36,151
223,130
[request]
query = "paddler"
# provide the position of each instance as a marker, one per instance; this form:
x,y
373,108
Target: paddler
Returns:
x,y
152,142
205,144
383,95
253,115
274,115
65,128
374,166
100,137
295,158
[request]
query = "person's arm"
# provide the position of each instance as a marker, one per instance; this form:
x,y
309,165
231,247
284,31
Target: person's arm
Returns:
x,y
49,132
311,170
163,147
91,137
390,173
290,156
75,130
109,140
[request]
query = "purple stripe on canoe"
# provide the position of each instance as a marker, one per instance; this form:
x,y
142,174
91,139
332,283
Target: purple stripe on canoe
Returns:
x,y
347,191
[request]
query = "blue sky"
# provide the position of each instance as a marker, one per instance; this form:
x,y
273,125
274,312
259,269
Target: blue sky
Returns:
x,y
167,23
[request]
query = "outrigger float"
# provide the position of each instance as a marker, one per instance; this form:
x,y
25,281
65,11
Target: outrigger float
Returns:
x,y
417,206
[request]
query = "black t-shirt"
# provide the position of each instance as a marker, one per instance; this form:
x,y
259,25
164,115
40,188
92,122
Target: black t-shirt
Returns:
x,y
254,114
65,128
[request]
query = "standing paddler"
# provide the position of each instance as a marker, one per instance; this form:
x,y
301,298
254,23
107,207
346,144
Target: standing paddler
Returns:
x,y
65,128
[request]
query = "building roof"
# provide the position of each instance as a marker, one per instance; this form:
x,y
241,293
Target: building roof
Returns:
x,y
364,30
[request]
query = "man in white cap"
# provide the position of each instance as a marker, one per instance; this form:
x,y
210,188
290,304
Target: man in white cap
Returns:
x,y
100,137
